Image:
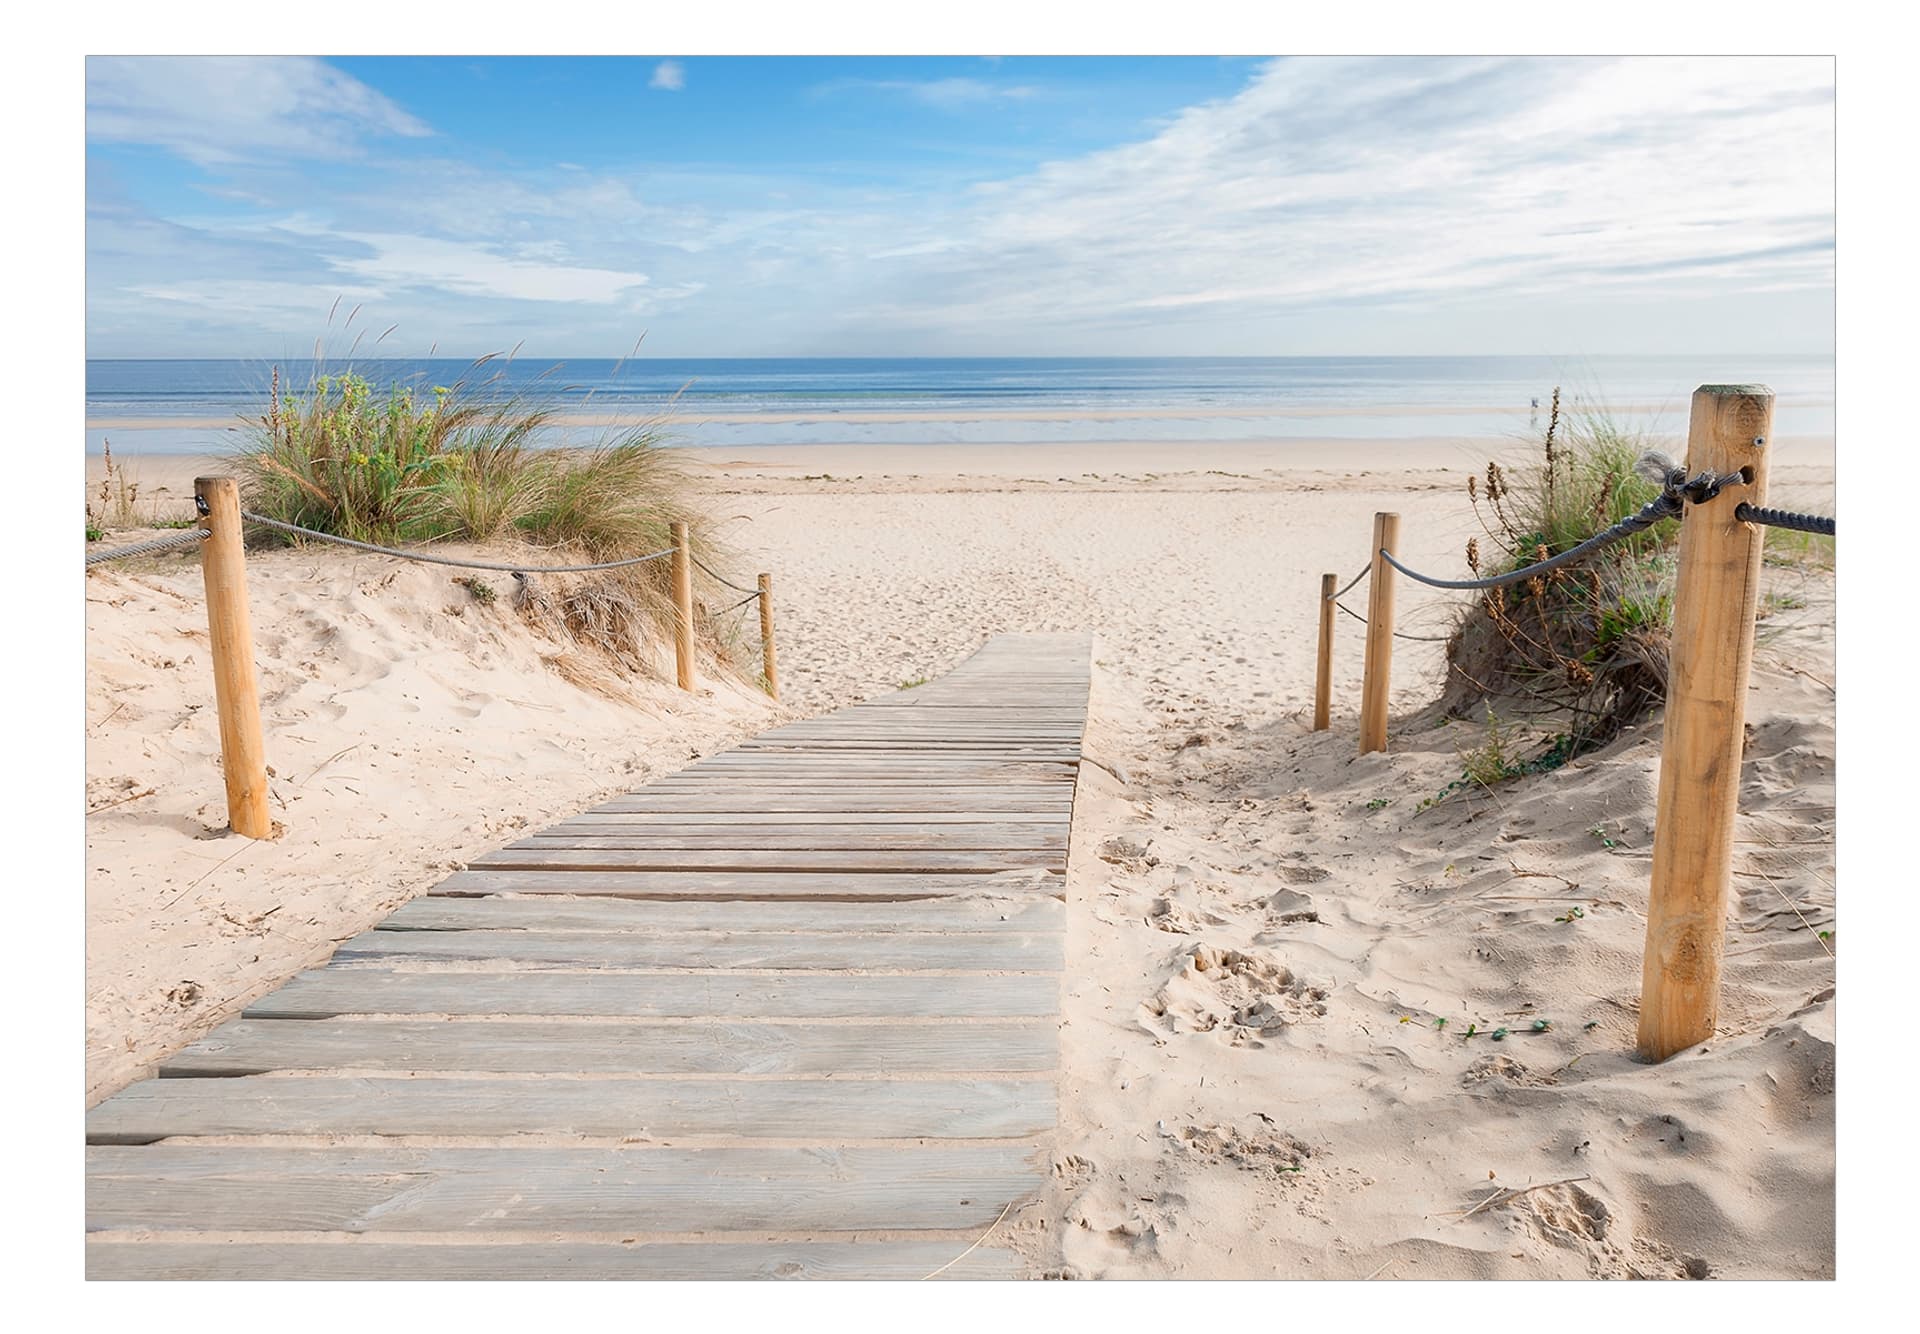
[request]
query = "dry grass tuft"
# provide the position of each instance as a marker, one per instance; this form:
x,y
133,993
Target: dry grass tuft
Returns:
x,y
458,462
1586,647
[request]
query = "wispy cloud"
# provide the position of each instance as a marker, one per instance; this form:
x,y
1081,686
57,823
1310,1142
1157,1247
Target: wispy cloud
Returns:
x,y
1328,205
226,109
669,75
1407,181
461,268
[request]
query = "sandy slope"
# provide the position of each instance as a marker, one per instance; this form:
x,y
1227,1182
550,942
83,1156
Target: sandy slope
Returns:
x,y
1256,911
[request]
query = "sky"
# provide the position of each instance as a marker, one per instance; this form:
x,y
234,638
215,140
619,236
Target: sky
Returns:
x,y
774,206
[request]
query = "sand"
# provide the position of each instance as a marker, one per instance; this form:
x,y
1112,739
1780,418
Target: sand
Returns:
x,y
1266,932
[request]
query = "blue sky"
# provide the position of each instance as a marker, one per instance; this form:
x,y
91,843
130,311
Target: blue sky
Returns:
x,y
942,207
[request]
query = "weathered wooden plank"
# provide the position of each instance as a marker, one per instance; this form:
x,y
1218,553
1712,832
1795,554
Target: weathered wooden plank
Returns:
x,y
246,1188
709,949
741,885
696,821
653,1260
949,838
257,1046
324,993
772,861
156,1109
987,913
734,800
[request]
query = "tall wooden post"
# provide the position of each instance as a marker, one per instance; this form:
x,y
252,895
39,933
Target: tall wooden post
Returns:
x,y
683,605
1323,680
770,668
1713,617
1379,664
236,686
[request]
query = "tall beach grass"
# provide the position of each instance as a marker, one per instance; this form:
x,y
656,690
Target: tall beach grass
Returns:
x,y
419,464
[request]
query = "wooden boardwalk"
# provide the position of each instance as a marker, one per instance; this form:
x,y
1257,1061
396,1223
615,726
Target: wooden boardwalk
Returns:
x,y
792,1012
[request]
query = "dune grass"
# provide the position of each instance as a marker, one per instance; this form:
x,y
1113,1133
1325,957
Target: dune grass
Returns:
x,y
451,463
1583,650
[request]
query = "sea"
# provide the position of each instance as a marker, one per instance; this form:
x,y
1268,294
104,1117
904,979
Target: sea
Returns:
x,y
199,406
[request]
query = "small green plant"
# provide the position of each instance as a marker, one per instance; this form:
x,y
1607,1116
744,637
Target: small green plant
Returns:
x,y
482,590
93,532
1606,839
916,681
1498,1035
1499,758
1541,1026
1776,602
1572,914
1379,803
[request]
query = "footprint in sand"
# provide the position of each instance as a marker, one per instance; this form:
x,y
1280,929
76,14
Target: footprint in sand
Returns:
x,y
1245,992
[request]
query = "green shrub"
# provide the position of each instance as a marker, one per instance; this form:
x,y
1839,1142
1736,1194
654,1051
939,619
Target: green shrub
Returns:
x,y
1586,645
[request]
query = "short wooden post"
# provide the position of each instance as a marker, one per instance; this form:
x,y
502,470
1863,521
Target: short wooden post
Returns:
x,y
770,668
1323,682
683,605
1379,664
1717,592
236,685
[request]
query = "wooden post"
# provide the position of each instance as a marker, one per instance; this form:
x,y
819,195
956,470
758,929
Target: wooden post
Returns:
x,y
236,686
683,605
1379,665
1323,682
769,667
1718,589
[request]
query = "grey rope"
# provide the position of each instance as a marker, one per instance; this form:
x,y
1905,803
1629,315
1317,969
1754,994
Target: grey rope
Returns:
x,y
1799,523
1677,490
1418,639
1364,572
185,537
265,522
738,588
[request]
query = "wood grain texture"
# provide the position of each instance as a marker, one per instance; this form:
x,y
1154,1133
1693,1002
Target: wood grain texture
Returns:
x,y
157,1109
999,915
327,992
788,950
743,886
183,1187
770,861
688,1261
1716,595
251,1047
1377,680
236,687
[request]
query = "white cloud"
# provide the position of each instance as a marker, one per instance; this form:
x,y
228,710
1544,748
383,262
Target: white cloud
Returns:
x,y
218,110
309,301
669,75
1327,206
472,270
1399,181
